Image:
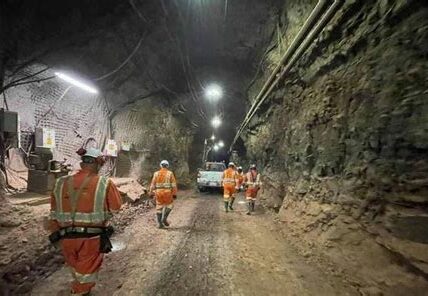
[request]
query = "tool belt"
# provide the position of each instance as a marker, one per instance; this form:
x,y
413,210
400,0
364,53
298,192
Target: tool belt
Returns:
x,y
85,232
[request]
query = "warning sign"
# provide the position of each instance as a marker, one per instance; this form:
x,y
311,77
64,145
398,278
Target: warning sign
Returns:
x,y
111,148
45,137
126,146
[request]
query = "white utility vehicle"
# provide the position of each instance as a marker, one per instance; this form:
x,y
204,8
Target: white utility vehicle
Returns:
x,y
210,176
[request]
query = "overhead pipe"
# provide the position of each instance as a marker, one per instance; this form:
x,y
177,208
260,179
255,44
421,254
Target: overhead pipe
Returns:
x,y
311,37
261,97
301,35
307,26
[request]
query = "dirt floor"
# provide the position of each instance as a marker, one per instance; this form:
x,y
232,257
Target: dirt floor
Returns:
x,y
26,256
207,252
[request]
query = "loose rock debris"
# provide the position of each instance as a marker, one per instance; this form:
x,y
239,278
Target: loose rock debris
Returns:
x,y
26,256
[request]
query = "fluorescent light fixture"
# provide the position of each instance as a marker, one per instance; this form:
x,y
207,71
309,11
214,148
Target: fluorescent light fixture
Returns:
x,y
76,82
216,122
213,91
221,144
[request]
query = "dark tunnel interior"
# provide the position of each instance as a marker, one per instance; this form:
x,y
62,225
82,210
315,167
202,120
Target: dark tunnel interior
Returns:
x,y
328,99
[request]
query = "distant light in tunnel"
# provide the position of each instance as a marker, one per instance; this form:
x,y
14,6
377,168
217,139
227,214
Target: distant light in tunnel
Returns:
x,y
221,144
216,122
216,147
212,137
213,92
76,82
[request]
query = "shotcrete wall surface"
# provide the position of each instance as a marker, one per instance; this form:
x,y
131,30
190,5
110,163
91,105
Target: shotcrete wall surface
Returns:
x,y
75,115
343,142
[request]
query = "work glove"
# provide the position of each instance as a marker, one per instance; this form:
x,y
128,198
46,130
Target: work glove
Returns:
x,y
174,196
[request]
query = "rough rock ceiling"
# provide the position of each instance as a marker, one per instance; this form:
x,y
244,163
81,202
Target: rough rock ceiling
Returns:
x,y
134,48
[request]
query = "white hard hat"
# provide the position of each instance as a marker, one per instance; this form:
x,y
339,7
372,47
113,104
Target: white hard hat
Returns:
x,y
164,163
240,168
231,164
92,152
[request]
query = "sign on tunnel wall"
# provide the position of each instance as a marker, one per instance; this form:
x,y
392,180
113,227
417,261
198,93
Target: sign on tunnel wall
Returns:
x,y
74,117
45,137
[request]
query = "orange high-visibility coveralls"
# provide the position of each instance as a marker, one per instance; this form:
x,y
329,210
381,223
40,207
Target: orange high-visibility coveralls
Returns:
x,y
97,200
230,179
241,178
252,180
164,186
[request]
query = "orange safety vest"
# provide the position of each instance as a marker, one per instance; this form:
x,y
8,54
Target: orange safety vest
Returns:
x,y
164,185
81,200
230,177
252,181
240,179
253,184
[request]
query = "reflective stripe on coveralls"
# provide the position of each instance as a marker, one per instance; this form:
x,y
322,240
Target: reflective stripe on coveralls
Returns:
x,y
84,278
92,203
84,258
229,177
251,182
166,185
253,186
98,214
229,180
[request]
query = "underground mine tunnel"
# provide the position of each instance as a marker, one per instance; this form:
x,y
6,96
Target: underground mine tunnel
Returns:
x,y
327,99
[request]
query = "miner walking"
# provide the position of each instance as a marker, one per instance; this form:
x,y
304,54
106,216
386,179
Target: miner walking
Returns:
x,y
252,184
164,187
241,177
81,205
229,181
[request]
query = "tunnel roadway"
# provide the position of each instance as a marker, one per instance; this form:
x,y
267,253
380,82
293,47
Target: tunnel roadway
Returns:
x,y
206,252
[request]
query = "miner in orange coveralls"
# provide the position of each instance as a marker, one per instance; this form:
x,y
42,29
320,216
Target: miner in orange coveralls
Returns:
x,y
241,177
252,184
230,181
164,187
81,205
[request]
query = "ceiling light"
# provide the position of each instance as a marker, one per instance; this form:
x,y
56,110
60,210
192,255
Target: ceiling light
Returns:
x,y
216,122
213,92
76,82
221,144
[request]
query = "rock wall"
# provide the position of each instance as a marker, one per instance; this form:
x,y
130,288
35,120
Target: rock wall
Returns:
x,y
343,141
155,133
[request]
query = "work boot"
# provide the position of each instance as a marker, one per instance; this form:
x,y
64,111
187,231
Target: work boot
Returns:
x,y
249,208
231,204
253,203
165,216
159,218
226,206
